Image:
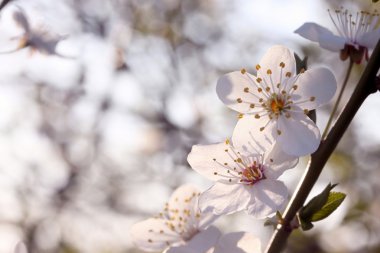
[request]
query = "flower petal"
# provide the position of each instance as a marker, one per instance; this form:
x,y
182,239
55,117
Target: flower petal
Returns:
x,y
369,39
238,242
200,243
223,199
247,135
183,198
323,36
316,86
299,135
270,196
234,89
153,235
214,162
272,59
277,161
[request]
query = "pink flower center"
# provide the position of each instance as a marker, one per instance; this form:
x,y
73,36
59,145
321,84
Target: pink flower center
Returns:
x,y
253,174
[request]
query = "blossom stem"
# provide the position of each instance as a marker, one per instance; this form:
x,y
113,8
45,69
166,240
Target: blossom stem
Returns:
x,y
366,86
335,108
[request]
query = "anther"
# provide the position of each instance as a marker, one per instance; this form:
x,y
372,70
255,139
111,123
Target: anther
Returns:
x,y
269,72
295,87
240,116
239,100
243,71
258,67
252,106
259,79
257,116
312,99
267,89
262,128
279,132
288,74
246,89
306,111
259,90
282,65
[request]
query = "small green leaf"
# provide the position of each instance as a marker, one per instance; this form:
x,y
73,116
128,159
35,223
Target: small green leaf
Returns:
x,y
333,202
315,204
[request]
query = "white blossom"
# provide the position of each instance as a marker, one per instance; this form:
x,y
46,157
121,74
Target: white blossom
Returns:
x,y
180,228
356,33
245,179
275,102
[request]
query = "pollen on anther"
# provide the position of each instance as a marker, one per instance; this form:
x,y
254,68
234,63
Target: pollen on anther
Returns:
x,y
258,67
269,72
295,87
252,105
259,90
261,100
282,65
246,89
257,116
267,89
279,132
240,116
288,74
259,79
243,71
239,100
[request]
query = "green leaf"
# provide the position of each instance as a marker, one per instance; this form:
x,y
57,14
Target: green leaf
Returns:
x,y
315,204
333,202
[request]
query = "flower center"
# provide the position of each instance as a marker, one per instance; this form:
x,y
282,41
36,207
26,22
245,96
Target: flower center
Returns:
x,y
253,174
277,105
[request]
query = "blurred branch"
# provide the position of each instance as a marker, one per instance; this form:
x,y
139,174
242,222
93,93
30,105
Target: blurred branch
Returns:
x,y
365,87
4,3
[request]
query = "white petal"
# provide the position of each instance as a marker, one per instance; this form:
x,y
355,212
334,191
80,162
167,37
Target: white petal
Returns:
x,y
183,198
370,39
230,88
201,242
153,235
247,134
238,242
20,248
299,135
270,196
318,84
332,42
213,162
312,31
272,59
277,161
323,36
224,199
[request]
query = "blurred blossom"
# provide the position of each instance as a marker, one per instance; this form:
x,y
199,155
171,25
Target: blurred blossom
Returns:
x,y
179,227
357,34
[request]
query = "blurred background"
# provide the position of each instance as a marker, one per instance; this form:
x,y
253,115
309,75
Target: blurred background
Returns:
x,y
94,136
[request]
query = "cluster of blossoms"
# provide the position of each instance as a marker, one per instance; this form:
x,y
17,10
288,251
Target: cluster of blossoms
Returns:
x,y
272,132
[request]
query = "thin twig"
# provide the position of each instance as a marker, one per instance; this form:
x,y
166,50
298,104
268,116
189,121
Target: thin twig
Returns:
x,y
366,86
335,108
